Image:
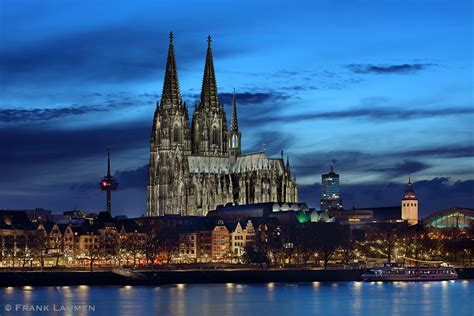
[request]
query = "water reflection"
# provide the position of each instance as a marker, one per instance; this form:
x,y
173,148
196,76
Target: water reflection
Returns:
x,y
340,298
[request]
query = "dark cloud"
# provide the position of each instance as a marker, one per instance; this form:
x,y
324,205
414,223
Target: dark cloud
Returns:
x,y
371,113
128,179
405,167
37,144
385,165
434,194
45,114
253,98
322,79
243,98
388,69
115,54
133,179
99,102
446,152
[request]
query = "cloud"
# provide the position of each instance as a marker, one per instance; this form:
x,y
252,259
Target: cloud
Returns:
x,y
36,144
133,179
45,114
383,165
128,179
243,98
447,152
388,69
405,167
115,54
373,113
434,194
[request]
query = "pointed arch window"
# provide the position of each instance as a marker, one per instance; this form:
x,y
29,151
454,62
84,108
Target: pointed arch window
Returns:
x,y
215,136
176,134
234,141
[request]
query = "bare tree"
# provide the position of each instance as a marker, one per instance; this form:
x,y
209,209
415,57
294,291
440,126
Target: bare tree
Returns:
x,y
168,243
40,247
305,245
95,250
327,238
133,246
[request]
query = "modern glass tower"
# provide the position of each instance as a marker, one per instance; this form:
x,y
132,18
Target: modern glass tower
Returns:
x,y
330,195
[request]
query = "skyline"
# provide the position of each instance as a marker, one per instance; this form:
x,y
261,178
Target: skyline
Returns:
x,y
69,92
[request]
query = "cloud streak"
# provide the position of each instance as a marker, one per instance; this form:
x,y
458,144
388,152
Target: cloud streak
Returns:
x,y
372,113
388,69
45,114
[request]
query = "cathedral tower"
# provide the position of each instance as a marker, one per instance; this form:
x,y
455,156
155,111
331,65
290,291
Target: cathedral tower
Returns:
x,y
195,169
209,126
410,205
170,143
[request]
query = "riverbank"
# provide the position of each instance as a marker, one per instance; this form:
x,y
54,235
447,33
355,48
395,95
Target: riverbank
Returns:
x,y
162,277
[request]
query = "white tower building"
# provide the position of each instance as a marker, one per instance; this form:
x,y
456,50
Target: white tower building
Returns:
x,y
410,205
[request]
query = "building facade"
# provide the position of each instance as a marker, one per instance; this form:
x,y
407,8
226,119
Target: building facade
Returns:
x,y
410,205
220,242
241,237
330,194
196,166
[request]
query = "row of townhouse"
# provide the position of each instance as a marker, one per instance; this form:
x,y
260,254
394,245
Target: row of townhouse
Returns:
x,y
62,243
224,242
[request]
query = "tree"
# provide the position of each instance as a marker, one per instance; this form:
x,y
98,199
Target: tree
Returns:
x,y
55,246
255,255
9,248
95,249
40,247
382,239
150,246
349,246
133,245
327,238
26,252
268,238
168,243
305,245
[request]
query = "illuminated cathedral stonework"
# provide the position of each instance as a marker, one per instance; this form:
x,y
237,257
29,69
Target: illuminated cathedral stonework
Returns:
x,y
196,167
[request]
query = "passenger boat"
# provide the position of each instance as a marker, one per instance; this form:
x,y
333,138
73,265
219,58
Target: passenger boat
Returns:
x,y
396,271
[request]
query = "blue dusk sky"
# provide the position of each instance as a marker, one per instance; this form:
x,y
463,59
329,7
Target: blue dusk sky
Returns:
x,y
382,88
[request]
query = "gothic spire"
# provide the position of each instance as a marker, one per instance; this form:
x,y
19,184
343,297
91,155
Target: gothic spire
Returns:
x,y
409,193
171,93
234,126
209,97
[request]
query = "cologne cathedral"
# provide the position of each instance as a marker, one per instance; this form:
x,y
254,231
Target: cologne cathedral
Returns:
x,y
196,167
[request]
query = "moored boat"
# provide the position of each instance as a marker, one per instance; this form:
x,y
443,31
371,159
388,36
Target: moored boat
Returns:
x,y
396,271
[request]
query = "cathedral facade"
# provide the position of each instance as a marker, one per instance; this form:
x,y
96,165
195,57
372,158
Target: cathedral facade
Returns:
x,y
194,167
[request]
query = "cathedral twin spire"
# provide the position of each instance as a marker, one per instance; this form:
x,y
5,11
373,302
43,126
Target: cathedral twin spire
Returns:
x,y
209,96
171,94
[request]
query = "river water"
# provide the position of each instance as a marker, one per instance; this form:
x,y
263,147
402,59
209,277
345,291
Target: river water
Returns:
x,y
317,298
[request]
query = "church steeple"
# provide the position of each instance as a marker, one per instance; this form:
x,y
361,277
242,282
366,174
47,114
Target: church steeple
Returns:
x,y
209,97
234,126
410,204
171,95
234,140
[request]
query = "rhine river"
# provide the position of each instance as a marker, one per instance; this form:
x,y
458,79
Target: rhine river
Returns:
x,y
317,298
